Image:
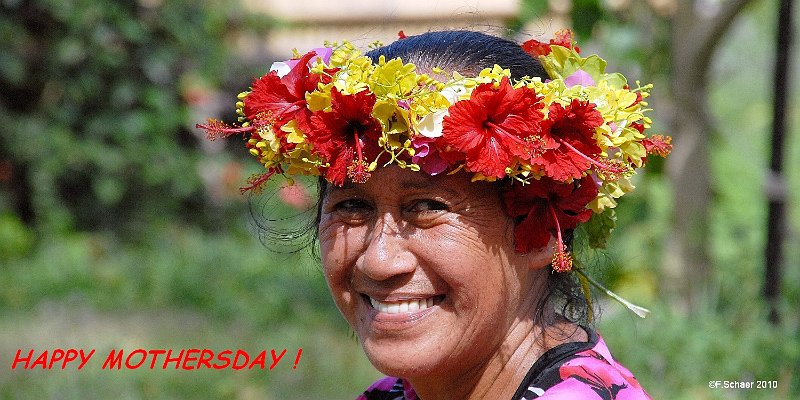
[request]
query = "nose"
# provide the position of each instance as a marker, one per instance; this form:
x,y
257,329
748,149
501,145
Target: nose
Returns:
x,y
387,252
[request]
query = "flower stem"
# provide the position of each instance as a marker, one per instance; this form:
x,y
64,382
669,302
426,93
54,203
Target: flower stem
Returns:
x,y
640,311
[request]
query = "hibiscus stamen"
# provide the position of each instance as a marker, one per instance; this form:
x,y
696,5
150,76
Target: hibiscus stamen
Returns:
x,y
562,260
216,129
658,145
536,145
357,142
257,180
359,170
612,169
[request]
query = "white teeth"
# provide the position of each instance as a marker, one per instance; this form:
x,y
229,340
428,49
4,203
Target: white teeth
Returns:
x,y
396,307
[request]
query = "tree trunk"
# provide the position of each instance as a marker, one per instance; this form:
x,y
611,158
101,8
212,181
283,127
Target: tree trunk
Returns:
x,y
776,189
694,38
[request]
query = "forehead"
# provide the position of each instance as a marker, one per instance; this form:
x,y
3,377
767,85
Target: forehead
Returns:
x,y
396,180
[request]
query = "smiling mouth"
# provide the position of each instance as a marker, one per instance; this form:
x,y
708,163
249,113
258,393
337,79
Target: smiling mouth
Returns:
x,y
405,306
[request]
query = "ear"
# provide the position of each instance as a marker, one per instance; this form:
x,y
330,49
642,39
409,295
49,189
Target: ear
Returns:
x,y
541,258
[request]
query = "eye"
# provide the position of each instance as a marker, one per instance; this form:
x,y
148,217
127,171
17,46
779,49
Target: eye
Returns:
x,y
351,205
427,206
352,210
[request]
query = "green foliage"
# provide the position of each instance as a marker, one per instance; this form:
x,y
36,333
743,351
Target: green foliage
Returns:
x,y
227,277
585,14
96,102
16,240
599,228
675,356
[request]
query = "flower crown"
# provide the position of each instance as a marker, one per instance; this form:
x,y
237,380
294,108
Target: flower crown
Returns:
x,y
568,146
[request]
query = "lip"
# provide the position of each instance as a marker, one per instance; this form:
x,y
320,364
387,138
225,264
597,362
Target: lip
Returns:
x,y
400,309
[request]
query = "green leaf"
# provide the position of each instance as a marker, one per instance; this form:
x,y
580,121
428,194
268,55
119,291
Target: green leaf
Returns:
x,y
616,80
594,66
599,227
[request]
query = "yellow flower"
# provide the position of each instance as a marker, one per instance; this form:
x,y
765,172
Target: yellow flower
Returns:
x,y
393,79
320,99
393,118
294,134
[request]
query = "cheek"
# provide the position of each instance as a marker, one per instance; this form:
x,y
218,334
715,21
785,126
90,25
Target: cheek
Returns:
x,y
339,246
466,259
480,263
338,243
331,250
467,245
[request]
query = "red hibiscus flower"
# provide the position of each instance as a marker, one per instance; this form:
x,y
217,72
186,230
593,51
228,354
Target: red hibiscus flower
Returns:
x,y
547,207
564,38
280,100
569,148
536,48
339,136
658,145
490,127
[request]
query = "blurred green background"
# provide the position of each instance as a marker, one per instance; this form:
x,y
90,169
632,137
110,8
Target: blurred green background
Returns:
x,y
121,227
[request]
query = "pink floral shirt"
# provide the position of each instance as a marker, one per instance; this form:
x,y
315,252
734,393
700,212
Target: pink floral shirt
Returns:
x,y
583,370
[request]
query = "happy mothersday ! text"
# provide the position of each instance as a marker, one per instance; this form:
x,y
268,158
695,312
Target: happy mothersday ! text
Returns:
x,y
179,359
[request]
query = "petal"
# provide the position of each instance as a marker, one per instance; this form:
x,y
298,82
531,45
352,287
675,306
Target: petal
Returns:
x,y
422,149
490,159
453,92
298,80
324,53
463,128
434,164
531,233
281,68
579,77
431,125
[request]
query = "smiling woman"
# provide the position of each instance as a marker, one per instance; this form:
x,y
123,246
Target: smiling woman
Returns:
x,y
424,269
453,168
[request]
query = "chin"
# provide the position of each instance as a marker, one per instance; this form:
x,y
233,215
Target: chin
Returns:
x,y
402,360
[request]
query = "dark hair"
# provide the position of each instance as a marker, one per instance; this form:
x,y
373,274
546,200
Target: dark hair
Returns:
x,y
464,51
468,53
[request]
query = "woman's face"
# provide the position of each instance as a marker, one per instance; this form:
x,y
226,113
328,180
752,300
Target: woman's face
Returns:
x,y
423,269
